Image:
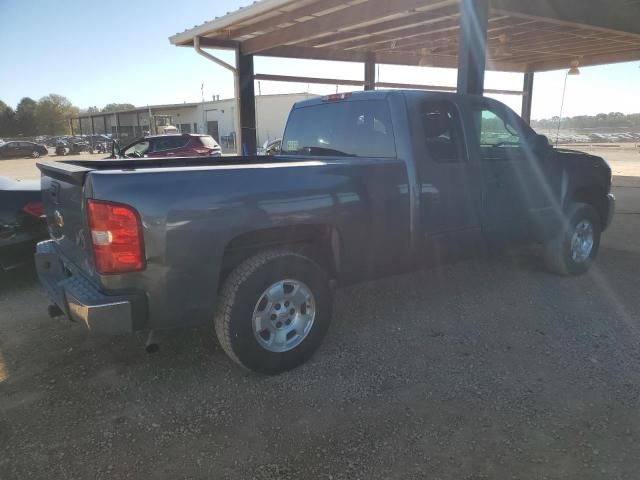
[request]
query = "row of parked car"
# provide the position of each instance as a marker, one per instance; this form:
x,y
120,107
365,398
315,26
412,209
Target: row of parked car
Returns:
x,y
22,149
22,220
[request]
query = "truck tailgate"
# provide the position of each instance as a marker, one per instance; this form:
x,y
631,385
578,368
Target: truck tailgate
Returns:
x,y
63,195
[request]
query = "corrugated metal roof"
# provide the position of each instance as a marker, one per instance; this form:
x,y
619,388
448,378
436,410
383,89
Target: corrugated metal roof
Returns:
x,y
523,35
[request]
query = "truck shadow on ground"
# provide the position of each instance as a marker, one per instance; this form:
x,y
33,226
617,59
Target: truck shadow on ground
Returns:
x,y
465,361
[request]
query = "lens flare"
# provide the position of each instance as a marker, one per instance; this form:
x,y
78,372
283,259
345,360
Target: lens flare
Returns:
x,y
3,369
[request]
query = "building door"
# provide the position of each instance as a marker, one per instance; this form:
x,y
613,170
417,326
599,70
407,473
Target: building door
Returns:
x,y
212,129
185,128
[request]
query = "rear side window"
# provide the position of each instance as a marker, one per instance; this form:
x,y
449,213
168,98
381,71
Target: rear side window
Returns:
x,y
169,143
208,141
354,129
442,132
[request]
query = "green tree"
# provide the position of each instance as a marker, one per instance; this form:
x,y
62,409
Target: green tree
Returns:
x,y
7,120
26,117
53,113
114,107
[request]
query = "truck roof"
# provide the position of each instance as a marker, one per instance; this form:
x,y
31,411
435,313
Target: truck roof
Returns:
x,y
372,95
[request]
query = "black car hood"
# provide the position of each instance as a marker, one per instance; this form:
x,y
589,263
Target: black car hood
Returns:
x,y
578,156
585,165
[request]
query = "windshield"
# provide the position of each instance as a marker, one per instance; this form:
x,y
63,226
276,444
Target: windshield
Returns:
x,y
138,149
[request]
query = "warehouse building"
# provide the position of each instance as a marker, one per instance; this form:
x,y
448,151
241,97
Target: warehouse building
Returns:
x,y
213,117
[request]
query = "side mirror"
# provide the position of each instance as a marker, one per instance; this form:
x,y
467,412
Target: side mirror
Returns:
x,y
539,143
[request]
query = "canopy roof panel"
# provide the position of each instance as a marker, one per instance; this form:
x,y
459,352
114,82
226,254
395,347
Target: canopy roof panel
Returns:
x,y
522,35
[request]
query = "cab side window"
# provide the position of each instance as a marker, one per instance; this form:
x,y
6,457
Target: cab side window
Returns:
x,y
353,128
500,136
442,132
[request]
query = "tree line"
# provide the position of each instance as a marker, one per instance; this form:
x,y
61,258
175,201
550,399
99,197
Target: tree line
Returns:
x,y
601,120
48,116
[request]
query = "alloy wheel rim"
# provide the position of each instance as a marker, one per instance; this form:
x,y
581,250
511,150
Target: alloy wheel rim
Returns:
x,y
582,241
284,315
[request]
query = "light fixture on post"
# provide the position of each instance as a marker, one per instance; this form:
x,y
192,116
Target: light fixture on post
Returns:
x,y
423,58
574,70
503,50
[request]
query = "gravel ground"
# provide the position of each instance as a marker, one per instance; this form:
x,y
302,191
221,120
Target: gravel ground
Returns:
x,y
488,369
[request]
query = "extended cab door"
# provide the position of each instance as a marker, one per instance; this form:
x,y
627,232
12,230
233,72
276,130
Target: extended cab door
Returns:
x,y
518,183
450,194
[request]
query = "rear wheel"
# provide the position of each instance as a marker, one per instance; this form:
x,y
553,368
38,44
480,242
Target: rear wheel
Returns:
x,y
274,311
572,252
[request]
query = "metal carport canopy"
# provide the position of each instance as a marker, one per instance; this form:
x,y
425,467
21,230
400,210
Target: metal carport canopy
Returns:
x,y
471,35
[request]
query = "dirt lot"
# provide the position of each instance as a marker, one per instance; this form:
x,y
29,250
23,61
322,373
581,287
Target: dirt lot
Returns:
x,y
486,369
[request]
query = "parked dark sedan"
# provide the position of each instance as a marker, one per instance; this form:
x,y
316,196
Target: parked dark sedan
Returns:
x,y
22,149
22,221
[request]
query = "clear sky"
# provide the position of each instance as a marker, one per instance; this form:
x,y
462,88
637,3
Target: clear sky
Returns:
x,y
97,53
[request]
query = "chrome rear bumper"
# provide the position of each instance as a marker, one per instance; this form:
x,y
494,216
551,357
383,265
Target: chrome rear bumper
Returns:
x,y
81,301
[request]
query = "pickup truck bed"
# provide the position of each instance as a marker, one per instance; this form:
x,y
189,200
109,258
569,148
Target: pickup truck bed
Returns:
x,y
368,184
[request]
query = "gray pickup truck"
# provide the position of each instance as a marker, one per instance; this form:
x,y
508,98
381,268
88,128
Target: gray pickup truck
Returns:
x,y
367,184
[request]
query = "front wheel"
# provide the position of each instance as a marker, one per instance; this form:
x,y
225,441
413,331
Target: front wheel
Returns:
x,y
274,311
573,250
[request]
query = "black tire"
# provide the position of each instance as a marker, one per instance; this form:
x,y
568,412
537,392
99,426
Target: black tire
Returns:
x,y
558,251
242,291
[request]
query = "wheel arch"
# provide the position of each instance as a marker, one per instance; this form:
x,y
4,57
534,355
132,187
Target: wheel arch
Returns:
x,y
596,196
321,242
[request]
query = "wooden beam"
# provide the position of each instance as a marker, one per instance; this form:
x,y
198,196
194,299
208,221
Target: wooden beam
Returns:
x,y
247,113
423,37
314,80
314,54
585,61
360,83
569,54
539,32
527,96
212,42
472,50
440,88
370,72
403,36
289,17
411,58
391,28
353,17
608,16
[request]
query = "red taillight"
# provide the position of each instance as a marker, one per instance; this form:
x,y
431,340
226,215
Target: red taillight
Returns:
x,y
35,209
334,97
116,236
